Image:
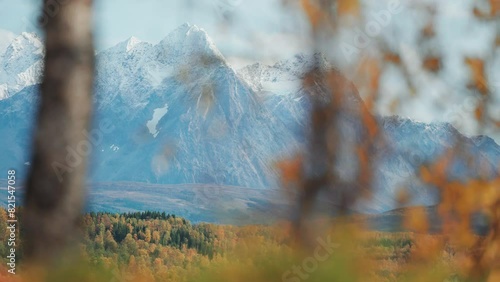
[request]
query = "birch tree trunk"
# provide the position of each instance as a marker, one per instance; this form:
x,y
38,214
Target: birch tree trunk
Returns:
x,y
55,188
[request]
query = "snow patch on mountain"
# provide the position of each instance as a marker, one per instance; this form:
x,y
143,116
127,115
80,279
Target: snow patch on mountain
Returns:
x,y
157,115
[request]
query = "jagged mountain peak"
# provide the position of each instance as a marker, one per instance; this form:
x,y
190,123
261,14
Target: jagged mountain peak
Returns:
x,y
187,30
139,62
31,36
131,43
21,64
303,62
285,76
25,41
186,54
188,41
184,41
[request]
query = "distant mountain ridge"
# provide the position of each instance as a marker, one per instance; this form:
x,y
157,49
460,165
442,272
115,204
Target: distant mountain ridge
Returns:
x,y
182,114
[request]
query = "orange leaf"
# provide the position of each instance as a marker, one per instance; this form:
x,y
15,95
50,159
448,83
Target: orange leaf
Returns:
x,y
416,219
425,174
479,112
476,67
313,12
291,170
432,64
402,196
392,57
348,7
428,30
495,7
497,123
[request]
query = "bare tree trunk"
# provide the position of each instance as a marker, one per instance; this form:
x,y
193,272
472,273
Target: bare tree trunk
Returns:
x,y
55,189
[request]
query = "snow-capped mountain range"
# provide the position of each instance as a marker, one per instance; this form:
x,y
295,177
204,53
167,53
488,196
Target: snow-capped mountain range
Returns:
x,y
182,114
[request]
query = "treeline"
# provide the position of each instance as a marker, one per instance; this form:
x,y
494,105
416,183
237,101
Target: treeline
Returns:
x,y
163,247
157,246
105,232
153,246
